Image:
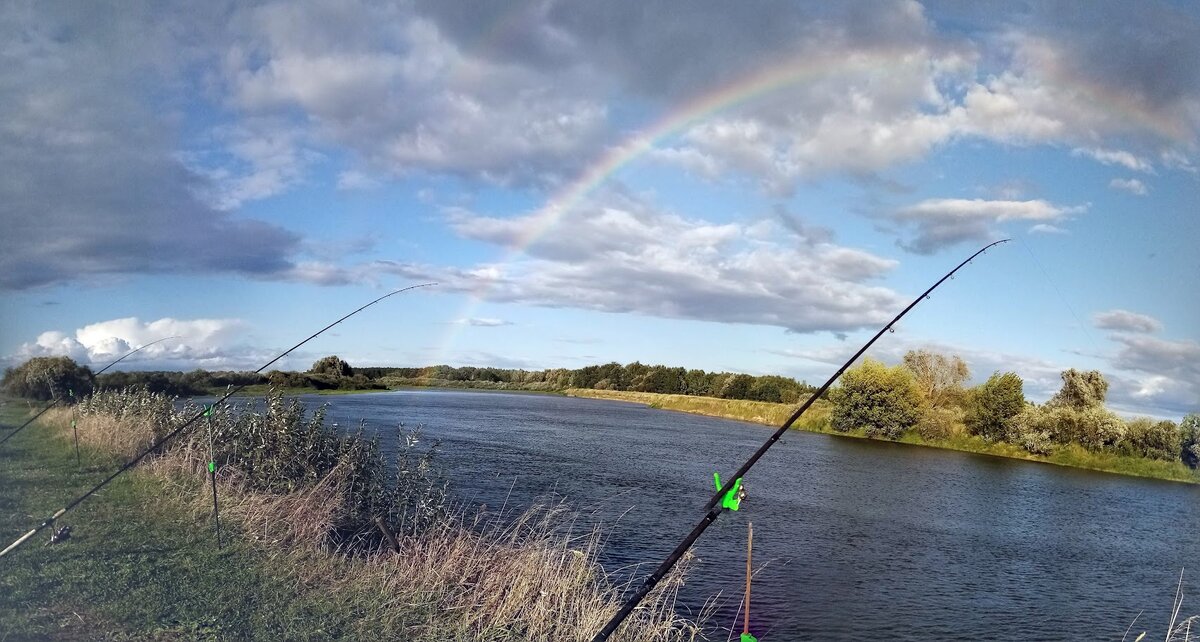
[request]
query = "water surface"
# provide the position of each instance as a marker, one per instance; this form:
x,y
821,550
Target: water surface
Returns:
x,y
862,540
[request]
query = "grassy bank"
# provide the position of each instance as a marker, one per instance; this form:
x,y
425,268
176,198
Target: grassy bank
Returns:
x,y
759,412
142,562
817,420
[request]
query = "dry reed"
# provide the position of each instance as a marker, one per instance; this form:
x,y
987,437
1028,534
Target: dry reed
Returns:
x,y
527,577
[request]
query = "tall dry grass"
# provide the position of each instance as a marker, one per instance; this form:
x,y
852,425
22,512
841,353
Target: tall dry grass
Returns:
x,y
528,576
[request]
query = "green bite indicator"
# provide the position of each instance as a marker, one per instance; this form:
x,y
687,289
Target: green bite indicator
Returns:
x,y
732,499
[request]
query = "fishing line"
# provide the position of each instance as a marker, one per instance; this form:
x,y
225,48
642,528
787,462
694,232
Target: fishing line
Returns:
x,y
57,399
174,433
1062,298
717,505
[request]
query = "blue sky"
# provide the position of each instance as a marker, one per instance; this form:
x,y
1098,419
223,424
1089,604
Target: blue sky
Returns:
x,y
239,174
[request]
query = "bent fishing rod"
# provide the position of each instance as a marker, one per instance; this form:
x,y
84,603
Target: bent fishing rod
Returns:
x,y
716,505
175,433
100,372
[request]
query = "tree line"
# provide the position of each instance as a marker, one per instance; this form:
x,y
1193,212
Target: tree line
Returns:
x,y
926,393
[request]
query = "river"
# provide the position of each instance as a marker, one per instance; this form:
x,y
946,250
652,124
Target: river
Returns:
x,y
861,540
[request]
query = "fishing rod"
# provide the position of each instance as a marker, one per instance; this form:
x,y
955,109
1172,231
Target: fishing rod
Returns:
x,y
58,399
725,494
175,433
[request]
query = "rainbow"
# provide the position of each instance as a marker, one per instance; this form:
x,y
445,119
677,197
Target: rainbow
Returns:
x,y
772,78
744,90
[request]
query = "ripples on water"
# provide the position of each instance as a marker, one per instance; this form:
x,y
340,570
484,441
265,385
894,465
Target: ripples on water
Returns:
x,y
862,540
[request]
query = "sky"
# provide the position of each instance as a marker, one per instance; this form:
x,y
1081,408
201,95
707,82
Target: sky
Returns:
x,y
743,186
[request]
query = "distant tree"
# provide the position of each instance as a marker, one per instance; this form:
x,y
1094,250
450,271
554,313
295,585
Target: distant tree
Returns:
x,y
332,366
884,401
766,389
1080,390
994,404
47,378
939,377
697,383
736,387
1189,440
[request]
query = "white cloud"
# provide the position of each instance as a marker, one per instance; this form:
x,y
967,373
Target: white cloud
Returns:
x,y
1126,321
203,343
1046,228
1163,373
1132,185
356,180
1150,375
389,85
1115,157
619,253
942,222
483,322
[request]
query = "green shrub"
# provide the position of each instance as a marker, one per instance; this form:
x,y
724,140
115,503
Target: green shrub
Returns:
x,y
280,448
46,378
994,404
881,400
938,424
1145,437
1094,428
1030,429
1189,440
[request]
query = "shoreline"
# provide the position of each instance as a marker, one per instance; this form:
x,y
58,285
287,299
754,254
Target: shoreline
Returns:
x,y
816,421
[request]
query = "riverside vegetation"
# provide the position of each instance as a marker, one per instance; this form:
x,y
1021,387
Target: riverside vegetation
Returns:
x,y
922,401
300,499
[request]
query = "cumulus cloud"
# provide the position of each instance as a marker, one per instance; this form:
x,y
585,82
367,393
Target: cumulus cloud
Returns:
x,y
129,138
198,343
379,79
1150,374
943,222
1162,372
1126,321
619,253
1132,185
1115,157
93,182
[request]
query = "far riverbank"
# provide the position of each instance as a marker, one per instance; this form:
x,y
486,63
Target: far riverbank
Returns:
x,y
817,420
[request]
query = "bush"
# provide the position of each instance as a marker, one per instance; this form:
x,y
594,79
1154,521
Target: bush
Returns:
x,y
1145,437
994,404
884,401
281,449
1031,430
1094,428
1189,440
937,424
46,378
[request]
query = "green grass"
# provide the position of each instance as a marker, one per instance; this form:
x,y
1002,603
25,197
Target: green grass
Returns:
x,y
139,567
759,412
817,420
